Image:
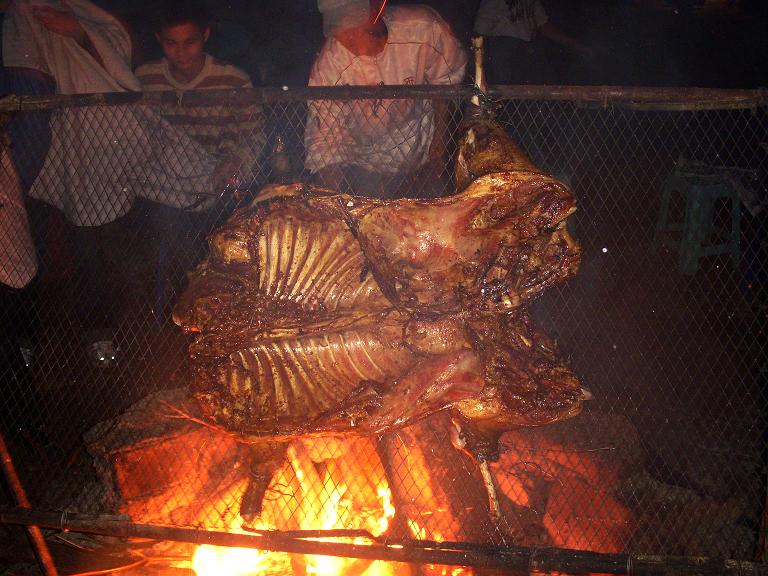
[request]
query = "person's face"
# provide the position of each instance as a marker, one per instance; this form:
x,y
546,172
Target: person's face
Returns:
x,y
364,40
183,45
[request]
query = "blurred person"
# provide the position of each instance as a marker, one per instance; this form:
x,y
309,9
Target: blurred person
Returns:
x,y
101,157
382,147
30,130
233,137
459,16
79,46
21,408
18,267
82,49
18,259
516,33
21,163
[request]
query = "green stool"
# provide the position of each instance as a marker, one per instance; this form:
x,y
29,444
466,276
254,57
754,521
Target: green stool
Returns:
x,y
697,235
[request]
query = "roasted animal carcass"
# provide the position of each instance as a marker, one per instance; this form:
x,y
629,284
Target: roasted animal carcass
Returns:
x,y
318,312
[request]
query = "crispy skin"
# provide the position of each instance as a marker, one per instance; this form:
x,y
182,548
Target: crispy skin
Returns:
x,y
323,313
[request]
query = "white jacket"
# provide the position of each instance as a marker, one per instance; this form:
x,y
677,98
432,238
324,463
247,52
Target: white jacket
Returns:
x,y
384,136
101,157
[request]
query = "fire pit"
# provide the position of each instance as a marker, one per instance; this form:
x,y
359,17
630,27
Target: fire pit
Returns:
x,y
409,488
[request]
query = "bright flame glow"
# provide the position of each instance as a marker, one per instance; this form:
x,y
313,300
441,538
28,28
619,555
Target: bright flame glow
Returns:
x,y
213,560
389,510
420,533
224,561
333,509
328,497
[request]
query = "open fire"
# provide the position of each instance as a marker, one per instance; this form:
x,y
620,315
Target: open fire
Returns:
x,y
325,484
347,371
557,487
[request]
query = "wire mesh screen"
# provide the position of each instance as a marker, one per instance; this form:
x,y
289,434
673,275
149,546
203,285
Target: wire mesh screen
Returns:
x,y
663,323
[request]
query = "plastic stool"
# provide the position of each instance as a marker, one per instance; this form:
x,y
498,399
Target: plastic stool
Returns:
x,y
697,236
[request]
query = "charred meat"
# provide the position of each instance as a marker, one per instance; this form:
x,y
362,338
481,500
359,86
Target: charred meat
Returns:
x,y
317,312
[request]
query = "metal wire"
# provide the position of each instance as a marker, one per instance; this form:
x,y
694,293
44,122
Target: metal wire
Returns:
x,y
669,456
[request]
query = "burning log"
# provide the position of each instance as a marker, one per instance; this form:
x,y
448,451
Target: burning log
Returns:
x,y
438,494
566,479
161,469
557,486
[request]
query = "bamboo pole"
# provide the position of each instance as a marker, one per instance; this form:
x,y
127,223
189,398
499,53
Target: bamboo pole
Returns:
x,y
413,551
640,98
477,48
39,546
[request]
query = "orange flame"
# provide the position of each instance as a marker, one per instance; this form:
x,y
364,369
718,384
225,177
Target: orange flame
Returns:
x,y
326,501
221,560
210,560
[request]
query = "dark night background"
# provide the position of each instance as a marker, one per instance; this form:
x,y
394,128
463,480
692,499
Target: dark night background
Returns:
x,y
707,43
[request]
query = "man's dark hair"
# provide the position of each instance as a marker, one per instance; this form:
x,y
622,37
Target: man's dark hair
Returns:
x,y
174,12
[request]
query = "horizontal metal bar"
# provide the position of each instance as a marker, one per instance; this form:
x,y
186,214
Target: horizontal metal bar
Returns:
x,y
412,551
643,98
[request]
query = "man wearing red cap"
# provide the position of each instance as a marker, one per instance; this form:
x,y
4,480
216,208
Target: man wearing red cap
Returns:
x,y
374,145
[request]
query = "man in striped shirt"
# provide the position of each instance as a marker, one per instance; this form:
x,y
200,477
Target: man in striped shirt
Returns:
x,y
232,135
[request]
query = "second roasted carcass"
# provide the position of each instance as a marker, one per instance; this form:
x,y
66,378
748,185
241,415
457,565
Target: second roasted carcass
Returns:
x,y
317,312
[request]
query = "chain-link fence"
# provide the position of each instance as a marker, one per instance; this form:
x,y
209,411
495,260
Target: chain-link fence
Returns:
x,y
663,323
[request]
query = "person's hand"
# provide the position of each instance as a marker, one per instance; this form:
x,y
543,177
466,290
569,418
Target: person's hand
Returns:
x,y
63,22
226,178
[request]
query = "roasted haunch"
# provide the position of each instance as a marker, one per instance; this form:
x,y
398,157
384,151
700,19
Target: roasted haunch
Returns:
x,y
318,312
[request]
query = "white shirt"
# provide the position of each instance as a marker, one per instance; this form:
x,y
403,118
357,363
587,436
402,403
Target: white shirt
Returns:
x,y
516,18
88,147
101,157
29,44
384,136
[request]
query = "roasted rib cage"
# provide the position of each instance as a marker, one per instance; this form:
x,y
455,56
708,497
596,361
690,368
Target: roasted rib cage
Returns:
x,y
325,313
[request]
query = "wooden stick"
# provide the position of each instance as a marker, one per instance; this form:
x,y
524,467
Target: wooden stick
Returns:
x,y
39,545
414,551
494,508
477,45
